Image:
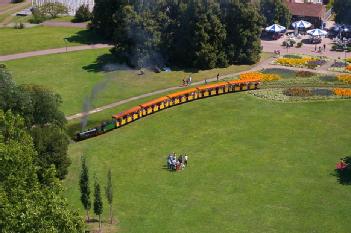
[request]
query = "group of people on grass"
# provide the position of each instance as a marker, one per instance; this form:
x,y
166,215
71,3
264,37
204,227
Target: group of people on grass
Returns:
x,y
175,163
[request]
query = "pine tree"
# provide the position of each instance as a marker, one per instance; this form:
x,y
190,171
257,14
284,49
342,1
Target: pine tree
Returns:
x,y
84,187
109,192
98,205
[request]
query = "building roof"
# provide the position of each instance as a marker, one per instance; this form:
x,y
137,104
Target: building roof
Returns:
x,y
306,9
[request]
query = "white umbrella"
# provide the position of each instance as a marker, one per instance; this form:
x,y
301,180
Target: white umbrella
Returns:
x,y
301,24
317,32
275,28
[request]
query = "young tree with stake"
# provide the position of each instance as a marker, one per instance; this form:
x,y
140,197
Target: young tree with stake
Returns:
x,y
98,205
84,187
109,192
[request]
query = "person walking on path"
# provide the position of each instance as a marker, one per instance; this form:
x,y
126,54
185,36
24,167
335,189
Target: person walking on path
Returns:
x,y
217,77
324,47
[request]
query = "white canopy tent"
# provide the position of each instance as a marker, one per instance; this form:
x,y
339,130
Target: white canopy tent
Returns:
x,y
275,28
317,32
301,24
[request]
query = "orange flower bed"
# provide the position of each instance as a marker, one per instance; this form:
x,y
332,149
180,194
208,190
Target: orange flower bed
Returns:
x,y
342,92
345,78
262,77
348,67
295,62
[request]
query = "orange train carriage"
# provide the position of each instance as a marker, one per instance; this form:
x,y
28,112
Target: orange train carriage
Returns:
x,y
170,100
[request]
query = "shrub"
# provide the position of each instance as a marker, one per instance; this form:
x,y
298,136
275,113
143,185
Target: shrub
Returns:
x,y
328,78
304,74
17,1
37,16
297,91
53,9
299,45
83,14
322,92
348,60
2,66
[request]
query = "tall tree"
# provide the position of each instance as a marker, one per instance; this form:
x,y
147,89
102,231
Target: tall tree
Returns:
x,y
84,187
46,123
243,25
342,11
103,16
26,204
98,205
109,192
275,11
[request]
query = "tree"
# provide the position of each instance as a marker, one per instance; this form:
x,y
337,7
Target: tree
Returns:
x,y
53,9
243,25
51,143
84,187
103,13
98,205
83,14
275,11
43,119
342,11
26,205
109,192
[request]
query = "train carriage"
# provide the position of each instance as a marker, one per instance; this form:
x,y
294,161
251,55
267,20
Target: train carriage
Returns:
x,y
154,105
127,116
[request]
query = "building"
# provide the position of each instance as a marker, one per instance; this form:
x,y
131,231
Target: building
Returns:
x,y
313,12
72,5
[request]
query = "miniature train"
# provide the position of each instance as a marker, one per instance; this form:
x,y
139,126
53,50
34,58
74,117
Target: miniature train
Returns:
x,y
158,104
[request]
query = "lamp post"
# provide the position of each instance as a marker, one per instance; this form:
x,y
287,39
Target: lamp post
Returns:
x,y
345,50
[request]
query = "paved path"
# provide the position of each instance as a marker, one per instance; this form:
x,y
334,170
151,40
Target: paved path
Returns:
x,y
308,49
52,51
266,64
65,24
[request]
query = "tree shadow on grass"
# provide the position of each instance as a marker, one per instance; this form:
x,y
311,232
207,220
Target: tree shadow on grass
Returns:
x,y
86,37
343,176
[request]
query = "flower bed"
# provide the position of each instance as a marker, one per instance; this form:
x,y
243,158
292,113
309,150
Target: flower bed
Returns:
x,y
261,76
346,78
345,92
304,74
297,91
294,62
301,62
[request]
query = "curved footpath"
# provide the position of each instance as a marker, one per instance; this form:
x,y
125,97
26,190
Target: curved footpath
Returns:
x,y
262,65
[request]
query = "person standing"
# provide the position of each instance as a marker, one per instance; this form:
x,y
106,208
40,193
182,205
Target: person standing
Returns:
x,y
186,160
217,77
189,79
324,47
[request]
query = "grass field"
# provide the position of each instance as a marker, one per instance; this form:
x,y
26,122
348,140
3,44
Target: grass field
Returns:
x,y
74,75
255,166
41,37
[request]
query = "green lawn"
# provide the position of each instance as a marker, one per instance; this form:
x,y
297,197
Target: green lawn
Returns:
x,y
74,75
255,166
41,37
